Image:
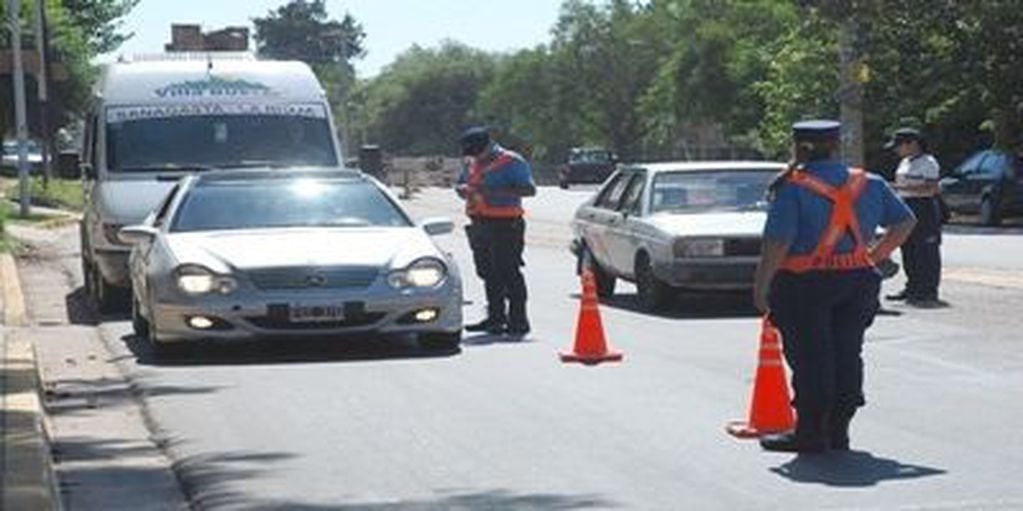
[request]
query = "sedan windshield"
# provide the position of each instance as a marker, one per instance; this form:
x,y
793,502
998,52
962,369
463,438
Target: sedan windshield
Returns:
x,y
145,139
278,203
728,189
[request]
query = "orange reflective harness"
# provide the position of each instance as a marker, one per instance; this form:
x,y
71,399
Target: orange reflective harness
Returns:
x,y
843,220
476,205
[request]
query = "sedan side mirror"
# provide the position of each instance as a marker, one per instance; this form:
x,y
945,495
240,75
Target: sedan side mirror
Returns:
x,y
438,226
136,234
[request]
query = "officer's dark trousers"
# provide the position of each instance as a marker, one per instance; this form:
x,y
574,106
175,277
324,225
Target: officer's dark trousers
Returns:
x,y
500,243
822,317
480,248
921,254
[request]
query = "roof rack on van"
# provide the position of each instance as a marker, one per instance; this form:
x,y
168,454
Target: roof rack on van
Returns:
x,y
186,56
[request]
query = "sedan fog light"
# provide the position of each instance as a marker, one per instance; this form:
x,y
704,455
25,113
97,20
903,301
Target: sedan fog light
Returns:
x,y
201,323
427,315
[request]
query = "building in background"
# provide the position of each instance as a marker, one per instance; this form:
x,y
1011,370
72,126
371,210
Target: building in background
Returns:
x,y
190,37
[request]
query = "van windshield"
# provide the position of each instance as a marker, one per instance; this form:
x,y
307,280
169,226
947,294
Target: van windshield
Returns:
x,y
160,138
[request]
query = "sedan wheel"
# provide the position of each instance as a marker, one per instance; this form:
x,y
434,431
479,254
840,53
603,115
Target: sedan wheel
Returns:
x,y
652,292
605,281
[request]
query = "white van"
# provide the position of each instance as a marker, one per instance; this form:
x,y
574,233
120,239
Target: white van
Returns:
x,y
157,120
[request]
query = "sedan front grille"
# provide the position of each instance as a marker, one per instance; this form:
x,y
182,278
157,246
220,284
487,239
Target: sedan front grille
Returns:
x,y
742,247
271,279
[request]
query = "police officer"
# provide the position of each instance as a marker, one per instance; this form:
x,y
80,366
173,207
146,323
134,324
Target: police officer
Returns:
x,y
818,283
916,181
493,184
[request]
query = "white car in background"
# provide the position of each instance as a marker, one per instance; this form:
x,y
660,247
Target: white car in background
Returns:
x,y
234,255
670,226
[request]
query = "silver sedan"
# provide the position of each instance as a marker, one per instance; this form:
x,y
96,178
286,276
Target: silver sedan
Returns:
x,y
668,226
243,254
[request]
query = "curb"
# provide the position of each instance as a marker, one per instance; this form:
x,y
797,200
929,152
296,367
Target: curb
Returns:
x,y
27,479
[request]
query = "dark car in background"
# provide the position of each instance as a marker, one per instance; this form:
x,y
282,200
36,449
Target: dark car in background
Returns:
x,y
989,183
587,165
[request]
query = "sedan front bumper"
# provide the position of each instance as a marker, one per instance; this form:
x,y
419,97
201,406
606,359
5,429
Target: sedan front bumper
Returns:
x,y
709,274
266,315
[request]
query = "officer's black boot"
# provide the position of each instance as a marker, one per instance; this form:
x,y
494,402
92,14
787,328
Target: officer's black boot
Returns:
x,y
518,323
809,437
489,325
838,433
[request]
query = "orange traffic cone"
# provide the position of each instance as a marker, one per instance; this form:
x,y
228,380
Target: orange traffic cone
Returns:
x,y
590,345
771,408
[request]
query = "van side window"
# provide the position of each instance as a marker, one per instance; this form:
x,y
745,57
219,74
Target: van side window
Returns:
x,y
161,213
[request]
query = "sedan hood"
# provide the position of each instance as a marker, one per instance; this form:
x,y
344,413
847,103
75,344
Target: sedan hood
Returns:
x,y
276,248
130,201
711,223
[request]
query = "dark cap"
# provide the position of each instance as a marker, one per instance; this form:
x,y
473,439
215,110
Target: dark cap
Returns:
x,y
474,140
816,130
903,135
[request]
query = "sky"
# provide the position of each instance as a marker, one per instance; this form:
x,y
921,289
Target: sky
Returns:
x,y
391,26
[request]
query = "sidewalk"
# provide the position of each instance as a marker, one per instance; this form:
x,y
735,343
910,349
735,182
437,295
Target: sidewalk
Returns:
x,y
26,472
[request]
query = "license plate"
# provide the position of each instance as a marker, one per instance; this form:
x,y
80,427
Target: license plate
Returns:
x,y
299,313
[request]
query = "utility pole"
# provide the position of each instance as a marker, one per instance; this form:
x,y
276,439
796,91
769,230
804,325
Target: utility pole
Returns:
x,y
20,122
43,87
850,93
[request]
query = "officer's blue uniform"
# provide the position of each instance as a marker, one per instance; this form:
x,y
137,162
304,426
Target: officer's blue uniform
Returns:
x,y
823,314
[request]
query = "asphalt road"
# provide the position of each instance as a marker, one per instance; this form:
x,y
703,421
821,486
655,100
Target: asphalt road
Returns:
x,y
380,424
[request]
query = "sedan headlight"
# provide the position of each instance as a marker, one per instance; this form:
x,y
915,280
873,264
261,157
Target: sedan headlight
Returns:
x,y
700,247
199,280
423,273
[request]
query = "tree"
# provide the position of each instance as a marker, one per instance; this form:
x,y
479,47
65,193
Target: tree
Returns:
x,y
78,30
420,103
99,21
302,30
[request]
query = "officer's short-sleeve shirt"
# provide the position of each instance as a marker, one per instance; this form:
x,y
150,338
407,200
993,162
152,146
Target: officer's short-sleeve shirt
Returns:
x,y
917,169
798,216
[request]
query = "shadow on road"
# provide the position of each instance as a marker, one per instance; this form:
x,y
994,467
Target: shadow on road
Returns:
x,y
691,305
490,339
286,351
495,500
80,310
850,469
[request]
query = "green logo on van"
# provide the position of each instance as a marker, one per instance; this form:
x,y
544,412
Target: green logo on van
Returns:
x,y
213,87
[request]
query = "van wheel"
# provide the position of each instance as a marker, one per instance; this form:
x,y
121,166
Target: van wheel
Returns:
x,y
87,278
989,214
653,294
139,324
109,298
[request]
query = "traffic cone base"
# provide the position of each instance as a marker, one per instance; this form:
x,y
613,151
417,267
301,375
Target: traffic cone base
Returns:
x,y
590,344
591,359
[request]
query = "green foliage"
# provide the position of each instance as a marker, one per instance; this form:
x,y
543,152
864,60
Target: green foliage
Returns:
x,y
78,31
302,30
653,79
99,21
420,103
